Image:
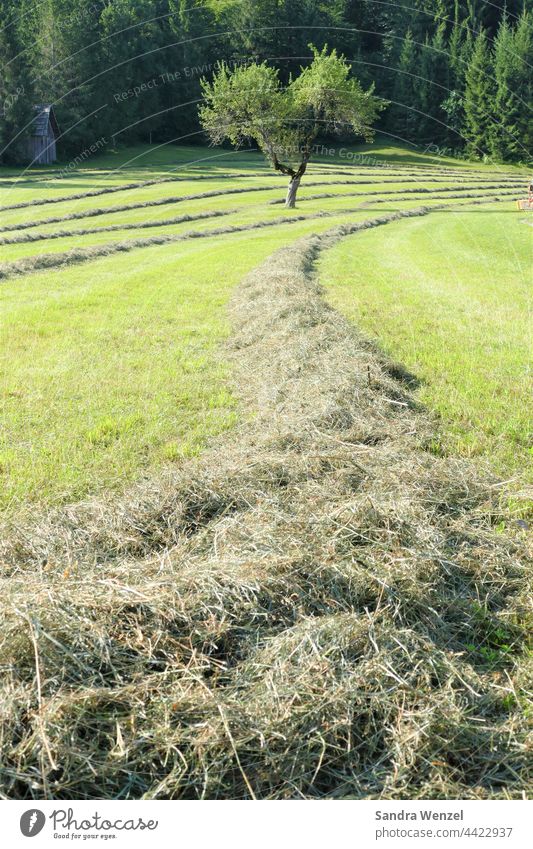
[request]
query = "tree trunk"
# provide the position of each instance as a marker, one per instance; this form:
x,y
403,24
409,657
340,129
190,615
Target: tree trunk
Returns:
x,y
294,184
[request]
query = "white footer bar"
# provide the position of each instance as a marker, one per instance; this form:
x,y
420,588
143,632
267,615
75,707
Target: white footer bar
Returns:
x,y
347,824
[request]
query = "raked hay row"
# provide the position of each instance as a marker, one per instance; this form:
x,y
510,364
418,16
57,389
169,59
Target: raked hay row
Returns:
x,y
266,478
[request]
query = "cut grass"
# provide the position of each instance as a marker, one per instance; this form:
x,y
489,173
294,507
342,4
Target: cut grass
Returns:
x,y
107,370
112,369
320,605
450,298
317,607
90,397
71,233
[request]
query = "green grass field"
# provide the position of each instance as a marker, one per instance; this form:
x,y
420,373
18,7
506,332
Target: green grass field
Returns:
x,y
450,298
112,366
241,555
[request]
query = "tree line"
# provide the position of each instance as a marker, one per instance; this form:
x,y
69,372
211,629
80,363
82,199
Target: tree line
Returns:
x,y
457,73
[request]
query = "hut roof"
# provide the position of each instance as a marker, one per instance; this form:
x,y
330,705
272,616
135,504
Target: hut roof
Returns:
x,y
44,116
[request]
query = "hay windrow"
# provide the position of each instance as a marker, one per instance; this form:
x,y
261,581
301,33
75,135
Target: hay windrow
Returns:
x,y
39,262
126,207
318,607
171,200
48,175
41,236
142,184
126,187
450,192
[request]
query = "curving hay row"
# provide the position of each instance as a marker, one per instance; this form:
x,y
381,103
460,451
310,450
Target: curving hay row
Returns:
x,y
124,207
488,182
391,196
141,184
54,174
174,199
319,607
39,262
41,236
124,187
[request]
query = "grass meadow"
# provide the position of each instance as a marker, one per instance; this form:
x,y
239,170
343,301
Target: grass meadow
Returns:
x,y
100,362
451,299
265,479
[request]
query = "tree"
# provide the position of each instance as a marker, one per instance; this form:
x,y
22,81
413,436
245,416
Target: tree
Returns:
x,y
63,43
455,116
458,47
512,131
479,98
250,103
433,86
407,81
279,30
190,22
138,93
16,94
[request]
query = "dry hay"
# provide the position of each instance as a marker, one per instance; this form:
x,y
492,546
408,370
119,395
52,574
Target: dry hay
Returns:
x,y
127,187
146,183
320,606
174,199
41,236
126,207
75,256
392,196
142,184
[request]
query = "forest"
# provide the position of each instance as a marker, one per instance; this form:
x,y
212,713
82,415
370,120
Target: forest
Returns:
x,y
455,72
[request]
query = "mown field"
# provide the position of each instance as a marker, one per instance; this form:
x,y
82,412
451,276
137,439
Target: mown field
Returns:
x,y
265,479
91,397
450,298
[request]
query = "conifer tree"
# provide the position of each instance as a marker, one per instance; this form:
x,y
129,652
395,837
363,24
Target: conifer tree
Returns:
x,y
458,50
15,86
405,118
435,86
478,98
512,130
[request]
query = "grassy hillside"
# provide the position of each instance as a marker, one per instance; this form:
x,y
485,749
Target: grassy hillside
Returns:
x,y
91,397
239,558
451,299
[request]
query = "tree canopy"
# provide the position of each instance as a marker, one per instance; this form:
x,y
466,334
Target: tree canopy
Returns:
x,y
250,103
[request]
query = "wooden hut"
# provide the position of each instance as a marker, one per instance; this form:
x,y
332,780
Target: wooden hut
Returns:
x,y
44,131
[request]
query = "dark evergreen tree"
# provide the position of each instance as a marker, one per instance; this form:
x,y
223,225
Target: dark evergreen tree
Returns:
x,y
202,45
63,40
433,87
16,93
478,99
140,67
403,119
279,31
457,48
511,135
